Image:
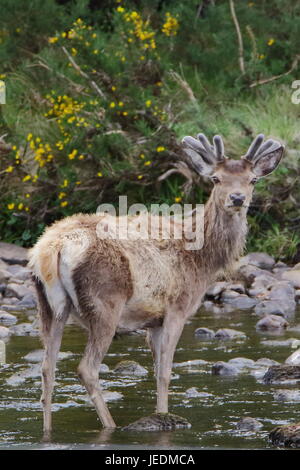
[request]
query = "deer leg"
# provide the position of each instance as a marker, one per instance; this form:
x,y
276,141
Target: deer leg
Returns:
x,y
102,329
165,346
153,340
52,342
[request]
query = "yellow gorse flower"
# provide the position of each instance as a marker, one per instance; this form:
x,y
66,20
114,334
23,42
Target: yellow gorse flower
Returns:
x,y
171,26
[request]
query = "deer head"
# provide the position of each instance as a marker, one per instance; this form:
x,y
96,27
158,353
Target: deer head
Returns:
x,y
233,179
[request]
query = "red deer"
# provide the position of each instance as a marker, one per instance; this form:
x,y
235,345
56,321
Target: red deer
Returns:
x,y
155,284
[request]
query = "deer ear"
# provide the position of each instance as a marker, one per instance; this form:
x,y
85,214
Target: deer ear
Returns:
x,y
268,160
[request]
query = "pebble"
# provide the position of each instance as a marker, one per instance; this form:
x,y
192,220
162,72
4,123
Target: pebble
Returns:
x,y
228,333
130,368
249,424
224,369
204,333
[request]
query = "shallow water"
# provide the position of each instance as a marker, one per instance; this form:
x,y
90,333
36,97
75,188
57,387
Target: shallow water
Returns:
x,y
213,418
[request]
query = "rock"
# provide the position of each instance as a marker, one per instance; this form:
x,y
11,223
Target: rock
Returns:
x,y
279,300
294,359
297,296
287,435
24,329
271,322
261,284
4,332
228,333
7,318
228,295
158,422
194,393
215,289
4,275
2,352
237,287
29,373
264,361
19,272
291,342
204,333
17,290
104,369
191,363
268,307
241,362
249,424
224,369
287,395
260,260
249,273
243,302
130,368
28,301
38,354
13,254
293,277
282,373
111,396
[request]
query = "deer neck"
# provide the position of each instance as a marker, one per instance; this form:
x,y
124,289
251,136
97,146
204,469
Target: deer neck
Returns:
x,y
224,238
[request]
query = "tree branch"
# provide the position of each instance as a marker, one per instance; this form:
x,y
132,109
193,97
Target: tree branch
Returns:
x,y
239,36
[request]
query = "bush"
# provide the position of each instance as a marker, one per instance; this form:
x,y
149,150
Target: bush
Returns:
x,y
98,100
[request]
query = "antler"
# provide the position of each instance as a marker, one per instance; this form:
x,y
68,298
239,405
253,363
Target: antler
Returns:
x,y
211,154
258,150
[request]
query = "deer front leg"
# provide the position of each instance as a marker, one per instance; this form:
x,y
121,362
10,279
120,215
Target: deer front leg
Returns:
x,y
165,346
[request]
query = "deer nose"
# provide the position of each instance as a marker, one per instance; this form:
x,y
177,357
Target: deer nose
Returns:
x,y
237,199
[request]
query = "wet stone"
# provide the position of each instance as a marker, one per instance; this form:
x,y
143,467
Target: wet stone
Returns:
x,y
38,354
2,352
228,333
286,436
260,260
271,322
24,329
158,422
216,289
4,332
193,392
241,362
191,363
13,254
294,359
7,318
130,368
249,424
224,369
282,373
204,333
287,395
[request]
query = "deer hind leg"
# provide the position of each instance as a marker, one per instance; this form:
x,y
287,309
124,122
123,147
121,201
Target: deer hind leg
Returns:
x,y
102,327
163,342
51,327
52,342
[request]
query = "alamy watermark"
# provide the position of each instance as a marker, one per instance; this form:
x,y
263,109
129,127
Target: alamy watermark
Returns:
x,y
296,94
162,222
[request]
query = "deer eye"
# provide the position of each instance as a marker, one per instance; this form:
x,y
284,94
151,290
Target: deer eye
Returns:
x,y
215,179
254,180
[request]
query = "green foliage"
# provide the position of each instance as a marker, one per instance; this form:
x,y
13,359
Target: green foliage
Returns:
x,y
98,100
